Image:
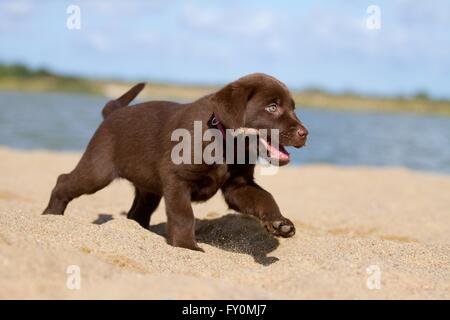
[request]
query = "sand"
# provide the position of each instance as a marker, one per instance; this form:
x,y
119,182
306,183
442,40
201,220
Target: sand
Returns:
x,y
393,221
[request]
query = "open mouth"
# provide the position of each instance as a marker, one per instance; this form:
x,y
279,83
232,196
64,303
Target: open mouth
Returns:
x,y
275,153
271,153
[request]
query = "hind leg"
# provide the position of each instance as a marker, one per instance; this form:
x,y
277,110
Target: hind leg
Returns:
x,y
94,172
144,204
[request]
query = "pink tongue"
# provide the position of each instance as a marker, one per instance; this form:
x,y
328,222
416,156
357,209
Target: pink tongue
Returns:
x,y
276,153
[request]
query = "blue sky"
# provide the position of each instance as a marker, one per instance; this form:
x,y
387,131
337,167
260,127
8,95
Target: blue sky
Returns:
x,y
304,43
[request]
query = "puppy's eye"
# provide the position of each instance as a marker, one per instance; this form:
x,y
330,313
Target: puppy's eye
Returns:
x,y
272,107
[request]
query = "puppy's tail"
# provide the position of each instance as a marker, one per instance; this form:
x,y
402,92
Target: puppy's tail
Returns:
x,y
123,101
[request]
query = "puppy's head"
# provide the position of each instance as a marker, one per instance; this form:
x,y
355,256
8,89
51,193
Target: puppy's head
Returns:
x,y
262,102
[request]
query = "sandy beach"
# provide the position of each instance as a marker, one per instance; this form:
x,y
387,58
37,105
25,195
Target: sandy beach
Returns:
x,y
348,220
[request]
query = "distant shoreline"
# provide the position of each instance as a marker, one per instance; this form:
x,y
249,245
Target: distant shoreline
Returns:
x,y
20,78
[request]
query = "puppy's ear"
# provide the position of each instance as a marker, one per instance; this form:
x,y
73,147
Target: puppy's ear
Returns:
x,y
230,104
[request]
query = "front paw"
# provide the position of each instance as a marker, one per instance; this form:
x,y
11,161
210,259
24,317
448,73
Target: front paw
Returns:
x,y
280,227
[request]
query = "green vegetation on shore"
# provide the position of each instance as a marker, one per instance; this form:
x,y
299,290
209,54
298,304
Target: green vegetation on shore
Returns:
x,y
21,78
418,103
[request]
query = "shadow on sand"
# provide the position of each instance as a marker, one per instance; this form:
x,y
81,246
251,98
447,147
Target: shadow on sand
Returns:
x,y
235,233
231,232
103,218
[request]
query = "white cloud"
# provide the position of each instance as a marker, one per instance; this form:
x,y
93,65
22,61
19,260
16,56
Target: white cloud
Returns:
x,y
228,22
302,42
14,15
16,8
120,7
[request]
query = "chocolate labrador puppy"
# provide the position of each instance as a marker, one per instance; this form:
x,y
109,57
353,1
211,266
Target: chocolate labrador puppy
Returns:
x,y
134,143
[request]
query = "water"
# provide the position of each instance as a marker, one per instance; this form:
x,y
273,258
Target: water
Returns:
x,y
378,139
66,122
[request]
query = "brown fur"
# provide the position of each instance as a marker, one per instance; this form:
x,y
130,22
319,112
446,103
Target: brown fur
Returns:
x,y
133,142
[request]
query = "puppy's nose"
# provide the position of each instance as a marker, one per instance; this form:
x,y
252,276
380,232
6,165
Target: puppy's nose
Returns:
x,y
302,132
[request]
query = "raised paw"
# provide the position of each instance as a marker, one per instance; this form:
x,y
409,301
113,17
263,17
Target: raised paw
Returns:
x,y
280,228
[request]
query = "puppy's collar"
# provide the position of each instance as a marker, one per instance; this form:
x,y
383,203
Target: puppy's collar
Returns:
x,y
214,122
